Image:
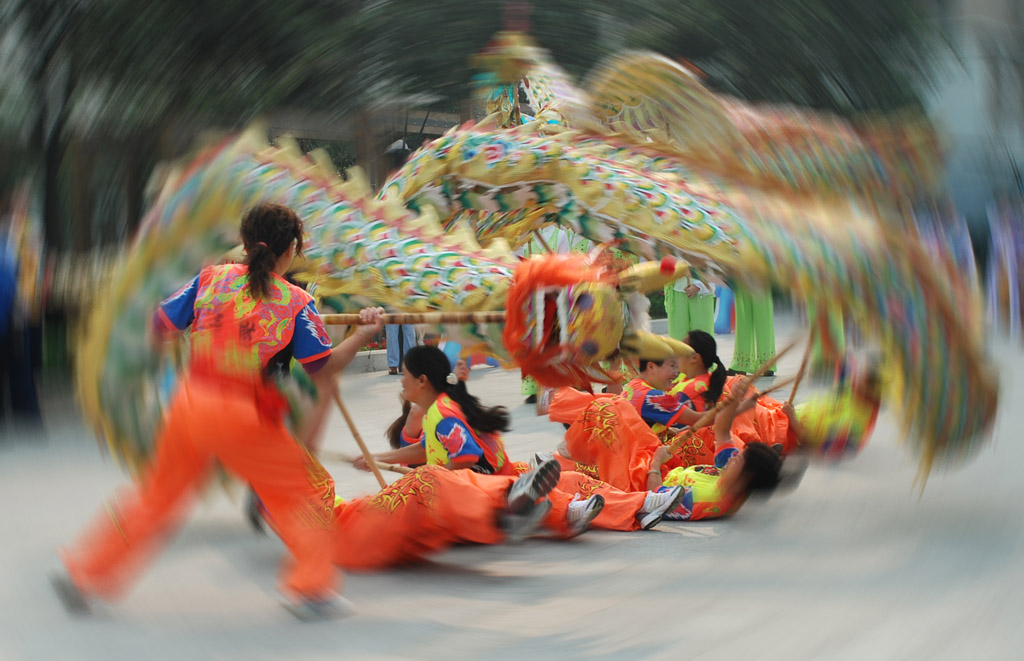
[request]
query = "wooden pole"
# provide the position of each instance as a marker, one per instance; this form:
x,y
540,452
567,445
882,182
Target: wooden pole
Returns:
x,y
496,317
803,367
370,461
394,468
543,243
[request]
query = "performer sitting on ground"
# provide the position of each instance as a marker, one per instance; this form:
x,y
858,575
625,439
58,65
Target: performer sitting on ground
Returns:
x,y
665,412
245,318
458,431
663,406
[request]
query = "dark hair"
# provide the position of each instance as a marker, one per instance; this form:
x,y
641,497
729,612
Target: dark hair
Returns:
x,y
706,347
394,432
762,467
431,362
645,361
267,231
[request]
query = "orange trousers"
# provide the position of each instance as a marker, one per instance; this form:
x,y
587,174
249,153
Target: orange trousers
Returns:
x,y
432,508
610,441
610,435
209,422
423,512
620,507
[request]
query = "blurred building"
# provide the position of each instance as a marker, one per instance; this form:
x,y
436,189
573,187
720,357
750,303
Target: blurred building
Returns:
x,y
979,103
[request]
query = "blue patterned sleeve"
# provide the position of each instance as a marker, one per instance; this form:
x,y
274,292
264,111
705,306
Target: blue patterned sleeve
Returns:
x,y
178,311
310,341
661,407
457,440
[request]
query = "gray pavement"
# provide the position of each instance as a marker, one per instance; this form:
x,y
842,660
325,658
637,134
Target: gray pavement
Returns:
x,y
856,563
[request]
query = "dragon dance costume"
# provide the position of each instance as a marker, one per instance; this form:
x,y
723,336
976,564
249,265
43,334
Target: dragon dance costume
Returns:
x,y
661,409
431,509
224,410
608,440
447,435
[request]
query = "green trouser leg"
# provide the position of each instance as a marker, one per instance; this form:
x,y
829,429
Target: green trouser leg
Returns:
x,y
686,314
528,386
763,312
743,348
702,313
678,313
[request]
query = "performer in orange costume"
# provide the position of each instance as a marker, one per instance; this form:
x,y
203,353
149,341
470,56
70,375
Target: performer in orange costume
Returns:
x,y
247,321
451,435
430,509
608,440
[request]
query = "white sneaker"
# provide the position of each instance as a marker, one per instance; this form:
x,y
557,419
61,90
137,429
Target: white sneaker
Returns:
x,y
332,607
531,487
657,504
582,512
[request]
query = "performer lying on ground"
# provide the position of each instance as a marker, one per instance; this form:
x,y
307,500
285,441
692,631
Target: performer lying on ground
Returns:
x,y
839,422
610,441
720,490
430,509
246,319
832,424
454,436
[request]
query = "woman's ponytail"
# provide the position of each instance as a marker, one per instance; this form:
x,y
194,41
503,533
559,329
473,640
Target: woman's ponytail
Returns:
x,y
429,361
394,432
484,419
704,344
268,230
716,383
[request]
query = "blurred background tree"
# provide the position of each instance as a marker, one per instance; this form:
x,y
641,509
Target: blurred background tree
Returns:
x,y
93,93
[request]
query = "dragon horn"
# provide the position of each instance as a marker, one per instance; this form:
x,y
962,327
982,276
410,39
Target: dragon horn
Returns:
x,y
644,344
652,276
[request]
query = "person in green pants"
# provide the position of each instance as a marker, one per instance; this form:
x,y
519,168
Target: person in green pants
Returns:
x,y
755,331
690,305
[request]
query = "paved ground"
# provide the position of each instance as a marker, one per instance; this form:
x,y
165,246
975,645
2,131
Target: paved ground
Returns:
x,y
854,564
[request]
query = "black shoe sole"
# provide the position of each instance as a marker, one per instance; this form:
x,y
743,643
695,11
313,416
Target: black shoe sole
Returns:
x,y
540,482
518,527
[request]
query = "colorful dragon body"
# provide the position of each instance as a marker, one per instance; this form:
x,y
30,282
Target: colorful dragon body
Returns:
x,y
752,211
